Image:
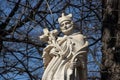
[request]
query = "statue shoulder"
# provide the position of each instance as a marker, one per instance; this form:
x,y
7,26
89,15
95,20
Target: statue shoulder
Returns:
x,y
78,36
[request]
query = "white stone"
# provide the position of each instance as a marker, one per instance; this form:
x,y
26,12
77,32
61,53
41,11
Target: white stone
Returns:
x,y
65,58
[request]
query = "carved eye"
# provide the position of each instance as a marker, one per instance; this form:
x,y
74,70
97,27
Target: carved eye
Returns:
x,y
61,25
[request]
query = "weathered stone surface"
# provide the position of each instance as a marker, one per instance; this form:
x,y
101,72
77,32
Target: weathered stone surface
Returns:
x,y
65,58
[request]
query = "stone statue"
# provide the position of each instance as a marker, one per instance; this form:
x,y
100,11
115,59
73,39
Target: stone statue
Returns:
x,y
65,58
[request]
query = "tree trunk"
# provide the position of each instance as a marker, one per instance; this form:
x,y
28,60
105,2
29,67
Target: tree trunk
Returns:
x,y
111,40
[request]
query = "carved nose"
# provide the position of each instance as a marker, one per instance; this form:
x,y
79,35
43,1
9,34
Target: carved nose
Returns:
x,y
65,27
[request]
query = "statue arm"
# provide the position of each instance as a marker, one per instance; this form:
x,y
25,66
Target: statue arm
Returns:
x,y
80,56
50,38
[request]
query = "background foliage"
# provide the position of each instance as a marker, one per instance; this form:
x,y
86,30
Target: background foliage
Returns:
x,y
21,24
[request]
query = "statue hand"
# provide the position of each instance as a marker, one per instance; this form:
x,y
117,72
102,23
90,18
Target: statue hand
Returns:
x,y
44,38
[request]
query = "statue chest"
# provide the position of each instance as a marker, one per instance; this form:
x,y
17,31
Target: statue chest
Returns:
x,y
76,41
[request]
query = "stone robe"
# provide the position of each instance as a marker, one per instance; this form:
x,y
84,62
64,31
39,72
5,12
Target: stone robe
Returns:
x,y
65,59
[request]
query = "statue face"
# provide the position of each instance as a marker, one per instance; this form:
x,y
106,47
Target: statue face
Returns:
x,y
66,27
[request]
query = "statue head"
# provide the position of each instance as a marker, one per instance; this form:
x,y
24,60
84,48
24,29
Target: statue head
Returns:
x,y
66,23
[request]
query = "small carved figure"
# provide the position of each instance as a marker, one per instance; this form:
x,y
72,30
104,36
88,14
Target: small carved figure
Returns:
x,y
65,58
